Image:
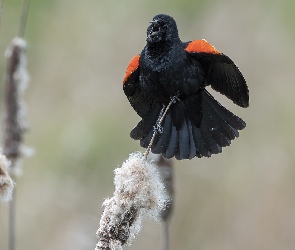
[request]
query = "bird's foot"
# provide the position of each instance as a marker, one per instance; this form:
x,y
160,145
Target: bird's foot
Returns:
x,y
158,128
174,99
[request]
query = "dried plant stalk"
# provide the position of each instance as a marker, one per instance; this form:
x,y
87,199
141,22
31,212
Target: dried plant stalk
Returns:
x,y
139,193
165,168
0,10
14,125
166,171
6,183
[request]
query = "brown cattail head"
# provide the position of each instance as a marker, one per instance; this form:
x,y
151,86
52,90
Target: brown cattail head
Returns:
x,y
16,80
6,183
139,193
165,168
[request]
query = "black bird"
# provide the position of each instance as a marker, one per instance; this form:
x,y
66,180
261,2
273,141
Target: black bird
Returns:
x,y
167,68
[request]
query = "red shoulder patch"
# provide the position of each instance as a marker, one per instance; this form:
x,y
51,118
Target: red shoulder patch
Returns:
x,y
133,65
199,46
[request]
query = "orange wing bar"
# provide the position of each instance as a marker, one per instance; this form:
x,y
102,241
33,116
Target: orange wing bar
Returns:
x,y
199,46
133,65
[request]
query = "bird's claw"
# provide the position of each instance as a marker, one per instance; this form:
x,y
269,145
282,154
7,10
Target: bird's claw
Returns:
x,y
158,128
174,99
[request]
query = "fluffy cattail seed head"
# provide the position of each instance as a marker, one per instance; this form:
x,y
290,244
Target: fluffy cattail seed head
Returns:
x,y
139,193
6,183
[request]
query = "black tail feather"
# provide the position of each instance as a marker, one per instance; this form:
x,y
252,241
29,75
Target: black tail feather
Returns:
x,y
193,149
221,121
229,117
194,114
184,145
184,136
173,144
178,114
209,142
145,141
220,139
163,141
200,144
177,154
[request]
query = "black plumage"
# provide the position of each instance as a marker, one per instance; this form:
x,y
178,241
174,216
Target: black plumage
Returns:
x,y
195,124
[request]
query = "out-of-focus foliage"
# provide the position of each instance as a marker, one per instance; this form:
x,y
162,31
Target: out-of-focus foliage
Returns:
x,y
80,120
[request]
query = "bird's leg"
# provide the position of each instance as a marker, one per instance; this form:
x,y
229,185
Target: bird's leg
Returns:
x,y
158,127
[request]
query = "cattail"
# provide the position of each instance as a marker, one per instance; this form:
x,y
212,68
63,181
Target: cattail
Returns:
x,y
139,193
16,81
6,183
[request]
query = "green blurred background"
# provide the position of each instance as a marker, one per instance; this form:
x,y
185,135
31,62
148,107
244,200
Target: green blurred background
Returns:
x,y
80,121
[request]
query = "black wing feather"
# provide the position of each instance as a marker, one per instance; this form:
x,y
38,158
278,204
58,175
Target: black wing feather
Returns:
x,y
224,76
140,103
147,123
173,144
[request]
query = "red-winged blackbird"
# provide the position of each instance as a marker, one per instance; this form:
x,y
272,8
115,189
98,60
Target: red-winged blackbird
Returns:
x,y
195,124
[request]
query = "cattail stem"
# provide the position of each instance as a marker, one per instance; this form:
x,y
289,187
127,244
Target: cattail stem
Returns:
x,y
166,235
165,168
11,240
0,10
23,18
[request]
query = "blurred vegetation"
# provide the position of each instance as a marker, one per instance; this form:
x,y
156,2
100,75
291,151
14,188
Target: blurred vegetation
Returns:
x,y
80,123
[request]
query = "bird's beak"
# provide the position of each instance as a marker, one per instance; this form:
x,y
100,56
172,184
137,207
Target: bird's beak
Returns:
x,y
154,21
153,32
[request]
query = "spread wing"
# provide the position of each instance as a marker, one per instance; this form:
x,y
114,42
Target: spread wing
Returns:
x,y
131,87
220,72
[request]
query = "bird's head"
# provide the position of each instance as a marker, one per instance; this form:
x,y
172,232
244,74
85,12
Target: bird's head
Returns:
x,y
162,28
